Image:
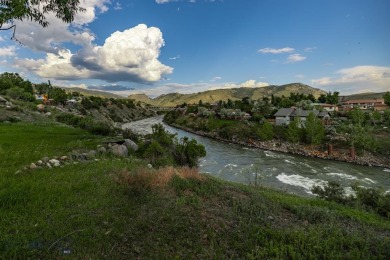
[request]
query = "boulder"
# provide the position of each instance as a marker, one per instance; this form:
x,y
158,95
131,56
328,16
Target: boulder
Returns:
x,y
64,158
119,150
91,154
102,149
131,145
33,166
54,162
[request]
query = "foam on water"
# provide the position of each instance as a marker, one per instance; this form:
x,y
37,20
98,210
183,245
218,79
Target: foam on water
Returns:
x,y
301,181
287,161
230,166
367,180
342,175
386,170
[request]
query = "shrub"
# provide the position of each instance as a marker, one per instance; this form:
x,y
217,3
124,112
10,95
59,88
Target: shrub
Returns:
x,y
331,192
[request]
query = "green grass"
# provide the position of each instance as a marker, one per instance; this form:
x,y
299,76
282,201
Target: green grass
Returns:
x,y
87,211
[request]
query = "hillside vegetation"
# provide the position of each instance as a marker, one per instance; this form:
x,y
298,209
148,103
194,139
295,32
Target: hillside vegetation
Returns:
x,y
212,96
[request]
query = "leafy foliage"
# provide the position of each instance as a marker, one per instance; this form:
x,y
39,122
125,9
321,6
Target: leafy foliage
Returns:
x,y
35,10
164,148
314,131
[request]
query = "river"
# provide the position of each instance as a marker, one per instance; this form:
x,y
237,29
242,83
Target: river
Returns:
x,y
290,173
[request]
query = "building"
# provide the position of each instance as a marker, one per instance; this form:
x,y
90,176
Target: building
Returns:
x,y
326,107
363,103
285,115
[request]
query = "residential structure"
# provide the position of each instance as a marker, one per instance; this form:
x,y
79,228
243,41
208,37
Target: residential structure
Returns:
x,y
285,115
363,103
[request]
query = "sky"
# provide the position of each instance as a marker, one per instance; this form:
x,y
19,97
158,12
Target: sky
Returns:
x,y
163,46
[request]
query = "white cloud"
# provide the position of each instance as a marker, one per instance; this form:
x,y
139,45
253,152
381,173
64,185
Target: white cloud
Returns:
x,y
247,84
358,79
49,39
108,62
175,58
276,51
310,49
292,58
164,1
7,51
215,79
118,6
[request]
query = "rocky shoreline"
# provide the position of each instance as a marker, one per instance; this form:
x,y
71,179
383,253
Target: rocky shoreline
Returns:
x,y
296,149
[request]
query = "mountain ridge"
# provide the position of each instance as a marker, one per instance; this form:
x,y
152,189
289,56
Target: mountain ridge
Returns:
x,y
211,96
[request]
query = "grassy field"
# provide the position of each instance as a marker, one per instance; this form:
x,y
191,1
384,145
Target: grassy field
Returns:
x,y
116,208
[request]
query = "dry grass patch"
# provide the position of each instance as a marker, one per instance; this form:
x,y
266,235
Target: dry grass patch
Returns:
x,y
152,179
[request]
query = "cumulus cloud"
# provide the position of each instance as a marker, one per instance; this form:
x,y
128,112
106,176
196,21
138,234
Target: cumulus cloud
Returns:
x,y
276,51
131,55
247,84
7,51
357,79
295,58
49,39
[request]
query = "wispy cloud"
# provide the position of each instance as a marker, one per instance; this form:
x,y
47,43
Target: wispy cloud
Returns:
x,y
215,79
295,58
118,6
7,51
175,58
310,49
276,51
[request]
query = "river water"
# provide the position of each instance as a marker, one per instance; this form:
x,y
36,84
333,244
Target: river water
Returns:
x,y
291,173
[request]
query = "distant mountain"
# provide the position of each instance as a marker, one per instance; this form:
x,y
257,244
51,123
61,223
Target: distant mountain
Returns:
x,y
211,96
88,92
362,96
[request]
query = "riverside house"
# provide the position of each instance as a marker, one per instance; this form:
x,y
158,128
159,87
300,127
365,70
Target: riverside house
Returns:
x,y
285,115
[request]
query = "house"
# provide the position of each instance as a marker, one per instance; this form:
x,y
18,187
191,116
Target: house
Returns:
x,y
363,103
282,117
285,115
326,107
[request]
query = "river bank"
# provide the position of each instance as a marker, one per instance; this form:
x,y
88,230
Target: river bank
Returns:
x,y
297,149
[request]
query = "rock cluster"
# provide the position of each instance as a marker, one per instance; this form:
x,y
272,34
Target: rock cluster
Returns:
x,y
119,148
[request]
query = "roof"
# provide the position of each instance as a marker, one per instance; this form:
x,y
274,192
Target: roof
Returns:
x,y
304,113
364,101
284,112
323,114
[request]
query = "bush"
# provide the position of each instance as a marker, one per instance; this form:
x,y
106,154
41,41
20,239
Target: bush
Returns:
x,y
331,192
84,123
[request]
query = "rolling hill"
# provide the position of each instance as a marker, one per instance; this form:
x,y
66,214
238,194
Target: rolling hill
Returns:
x,y
211,96
88,92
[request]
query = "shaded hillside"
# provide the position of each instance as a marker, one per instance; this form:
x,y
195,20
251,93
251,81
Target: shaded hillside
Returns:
x,y
88,92
212,96
363,96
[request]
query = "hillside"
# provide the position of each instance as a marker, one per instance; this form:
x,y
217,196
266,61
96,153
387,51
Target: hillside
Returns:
x,y
212,96
88,92
363,96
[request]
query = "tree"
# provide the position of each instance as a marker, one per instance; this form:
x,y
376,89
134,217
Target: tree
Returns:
x,y
314,131
294,132
358,117
35,10
265,131
362,138
387,98
322,98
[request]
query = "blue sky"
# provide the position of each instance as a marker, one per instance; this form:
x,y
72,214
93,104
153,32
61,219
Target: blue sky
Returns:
x,y
161,46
